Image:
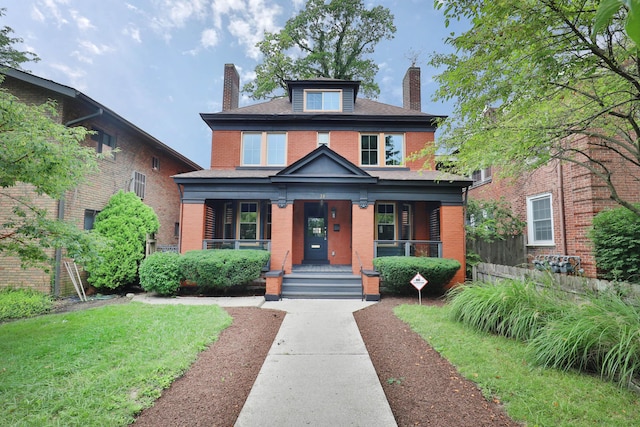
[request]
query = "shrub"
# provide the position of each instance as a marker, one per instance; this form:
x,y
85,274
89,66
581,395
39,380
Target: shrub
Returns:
x,y
125,222
160,273
616,238
512,308
600,335
223,268
19,303
396,273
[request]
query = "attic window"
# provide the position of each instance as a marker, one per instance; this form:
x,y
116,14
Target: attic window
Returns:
x,y
322,100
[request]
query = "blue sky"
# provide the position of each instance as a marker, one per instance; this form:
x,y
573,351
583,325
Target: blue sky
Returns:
x,y
159,63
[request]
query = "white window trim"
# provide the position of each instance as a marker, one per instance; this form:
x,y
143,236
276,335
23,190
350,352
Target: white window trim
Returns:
x,y
382,161
263,148
530,229
306,91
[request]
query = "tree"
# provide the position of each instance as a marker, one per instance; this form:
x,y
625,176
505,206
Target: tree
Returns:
x,y
533,83
125,222
9,56
324,40
50,158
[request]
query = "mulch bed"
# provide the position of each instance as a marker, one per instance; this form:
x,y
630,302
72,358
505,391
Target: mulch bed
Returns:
x,y
422,388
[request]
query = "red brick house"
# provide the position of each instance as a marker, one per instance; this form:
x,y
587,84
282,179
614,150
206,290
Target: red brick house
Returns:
x,y
141,163
320,178
558,202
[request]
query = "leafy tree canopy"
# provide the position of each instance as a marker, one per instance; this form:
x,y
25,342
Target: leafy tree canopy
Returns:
x,y
328,40
534,82
9,56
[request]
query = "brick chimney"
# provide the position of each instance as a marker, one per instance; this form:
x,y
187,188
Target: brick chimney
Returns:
x,y
411,89
231,90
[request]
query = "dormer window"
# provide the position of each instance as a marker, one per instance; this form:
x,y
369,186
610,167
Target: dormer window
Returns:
x,y
323,100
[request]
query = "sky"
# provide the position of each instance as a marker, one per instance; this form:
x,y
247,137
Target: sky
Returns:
x,y
159,63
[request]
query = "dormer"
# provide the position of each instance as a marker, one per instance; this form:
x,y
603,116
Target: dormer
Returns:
x,y
323,95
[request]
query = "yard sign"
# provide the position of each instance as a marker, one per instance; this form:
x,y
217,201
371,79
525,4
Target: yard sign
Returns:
x,y
418,282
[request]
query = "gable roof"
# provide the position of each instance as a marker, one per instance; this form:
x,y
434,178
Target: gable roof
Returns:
x,y
70,92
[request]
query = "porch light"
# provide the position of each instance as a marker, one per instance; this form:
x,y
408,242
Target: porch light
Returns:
x,y
333,212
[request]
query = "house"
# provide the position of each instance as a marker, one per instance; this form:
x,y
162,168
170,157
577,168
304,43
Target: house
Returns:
x,y
141,163
321,179
558,202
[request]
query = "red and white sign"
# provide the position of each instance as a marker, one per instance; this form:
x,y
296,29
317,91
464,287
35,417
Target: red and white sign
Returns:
x,y
418,281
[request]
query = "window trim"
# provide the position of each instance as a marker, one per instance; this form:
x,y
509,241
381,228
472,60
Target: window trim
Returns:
x,y
395,221
138,184
381,160
319,143
531,237
264,149
322,91
239,220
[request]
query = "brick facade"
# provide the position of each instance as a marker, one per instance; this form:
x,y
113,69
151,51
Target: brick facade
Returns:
x,y
136,153
577,195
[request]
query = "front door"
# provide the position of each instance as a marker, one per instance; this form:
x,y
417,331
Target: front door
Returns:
x,y
315,233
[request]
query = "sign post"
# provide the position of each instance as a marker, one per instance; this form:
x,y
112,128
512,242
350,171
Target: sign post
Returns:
x,y
418,282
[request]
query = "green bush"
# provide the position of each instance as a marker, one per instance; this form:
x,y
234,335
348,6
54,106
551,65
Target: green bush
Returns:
x,y
512,308
222,268
396,273
616,238
19,303
601,335
160,273
125,222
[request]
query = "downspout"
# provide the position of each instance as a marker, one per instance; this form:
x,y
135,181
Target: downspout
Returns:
x,y
58,254
563,229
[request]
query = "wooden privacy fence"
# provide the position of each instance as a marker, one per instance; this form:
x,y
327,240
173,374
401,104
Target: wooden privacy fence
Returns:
x,y
486,272
511,251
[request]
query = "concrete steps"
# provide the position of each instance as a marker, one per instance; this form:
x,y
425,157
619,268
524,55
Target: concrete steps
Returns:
x,y
319,285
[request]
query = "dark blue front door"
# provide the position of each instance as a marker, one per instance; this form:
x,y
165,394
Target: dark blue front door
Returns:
x,y
315,233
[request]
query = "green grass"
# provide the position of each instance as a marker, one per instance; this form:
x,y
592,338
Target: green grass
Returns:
x,y
98,367
534,395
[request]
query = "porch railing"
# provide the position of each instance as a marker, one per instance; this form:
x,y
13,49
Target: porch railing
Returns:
x,y
424,248
261,244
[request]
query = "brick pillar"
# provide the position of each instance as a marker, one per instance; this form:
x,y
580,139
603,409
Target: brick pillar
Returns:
x,y
281,237
453,238
362,237
192,226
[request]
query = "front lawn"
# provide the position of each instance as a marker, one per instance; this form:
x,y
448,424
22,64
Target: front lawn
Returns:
x,y
533,395
98,367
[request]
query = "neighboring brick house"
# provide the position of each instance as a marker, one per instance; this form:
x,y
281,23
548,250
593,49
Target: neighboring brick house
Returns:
x,y
321,179
558,202
141,164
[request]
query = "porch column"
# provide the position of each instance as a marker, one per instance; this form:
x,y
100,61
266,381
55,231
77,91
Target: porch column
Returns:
x,y
453,239
192,226
281,237
362,245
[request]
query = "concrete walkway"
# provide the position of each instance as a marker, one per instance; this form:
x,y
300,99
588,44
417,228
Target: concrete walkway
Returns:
x,y
318,371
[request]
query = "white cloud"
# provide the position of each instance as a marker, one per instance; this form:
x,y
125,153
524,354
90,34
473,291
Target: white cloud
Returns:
x,y
75,77
51,7
36,14
224,7
209,38
133,32
82,22
94,49
249,25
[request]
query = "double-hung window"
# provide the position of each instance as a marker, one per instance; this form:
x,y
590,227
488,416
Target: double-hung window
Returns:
x,y
540,220
248,220
372,154
386,221
264,148
322,100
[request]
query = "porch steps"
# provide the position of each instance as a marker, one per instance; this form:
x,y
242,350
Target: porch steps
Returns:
x,y
318,285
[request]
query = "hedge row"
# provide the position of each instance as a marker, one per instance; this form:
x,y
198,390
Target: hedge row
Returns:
x,y
396,273
163,272
19,303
